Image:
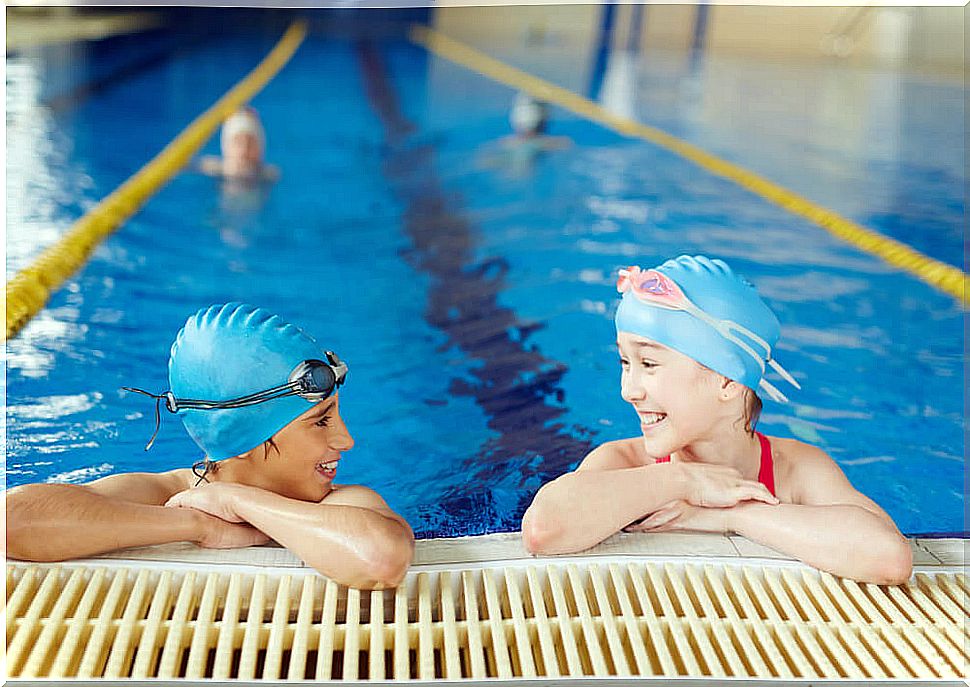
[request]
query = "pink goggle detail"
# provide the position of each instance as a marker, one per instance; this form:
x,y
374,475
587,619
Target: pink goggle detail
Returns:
x,y
653,286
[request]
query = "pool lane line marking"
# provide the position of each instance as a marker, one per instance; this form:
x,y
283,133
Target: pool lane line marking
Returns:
x,y
31,287
517,387
947,278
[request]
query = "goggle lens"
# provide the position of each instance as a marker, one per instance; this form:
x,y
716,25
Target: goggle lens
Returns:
x,y
318,381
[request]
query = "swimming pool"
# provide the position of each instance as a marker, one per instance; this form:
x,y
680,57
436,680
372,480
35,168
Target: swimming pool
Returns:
x,y
472,296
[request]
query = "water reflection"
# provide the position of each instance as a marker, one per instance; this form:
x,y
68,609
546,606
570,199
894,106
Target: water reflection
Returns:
x,y
44,188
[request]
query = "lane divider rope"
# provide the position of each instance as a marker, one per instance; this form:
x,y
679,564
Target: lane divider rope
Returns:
x,y
947,278
30,288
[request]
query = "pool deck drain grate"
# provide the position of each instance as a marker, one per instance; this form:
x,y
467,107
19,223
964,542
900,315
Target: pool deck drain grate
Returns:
x,y
559,618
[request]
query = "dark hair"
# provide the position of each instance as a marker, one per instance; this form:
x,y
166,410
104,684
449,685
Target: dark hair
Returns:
x,y
205,467
543,124
752,405
752,410
266,444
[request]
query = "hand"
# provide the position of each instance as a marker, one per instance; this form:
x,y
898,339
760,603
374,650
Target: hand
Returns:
x,y
680,515
216,498
219,534
271,173
210,165
718,486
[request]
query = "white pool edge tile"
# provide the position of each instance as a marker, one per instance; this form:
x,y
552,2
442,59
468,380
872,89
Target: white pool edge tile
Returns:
x,y
509,547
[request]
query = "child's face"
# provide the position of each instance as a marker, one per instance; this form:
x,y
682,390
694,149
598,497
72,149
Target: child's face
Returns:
x,y
243,153
305,466
676,399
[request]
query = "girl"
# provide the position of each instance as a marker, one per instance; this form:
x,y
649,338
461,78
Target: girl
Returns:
x,y
260,399
695,341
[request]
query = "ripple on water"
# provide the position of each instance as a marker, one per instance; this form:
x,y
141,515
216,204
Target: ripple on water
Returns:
x,y
53,407
82,475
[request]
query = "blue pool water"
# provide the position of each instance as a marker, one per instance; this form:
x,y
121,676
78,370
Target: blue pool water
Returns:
x,y
472,294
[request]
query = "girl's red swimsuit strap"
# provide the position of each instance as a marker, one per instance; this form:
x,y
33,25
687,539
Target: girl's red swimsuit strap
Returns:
x,y
766,475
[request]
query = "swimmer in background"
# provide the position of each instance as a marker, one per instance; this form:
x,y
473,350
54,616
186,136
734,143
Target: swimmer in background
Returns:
x,y
695,341
262,400
530,121
243,145
244,177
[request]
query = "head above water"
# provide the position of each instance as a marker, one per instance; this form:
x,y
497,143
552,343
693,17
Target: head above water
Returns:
x,y
242,140
529,116
699,307
247,354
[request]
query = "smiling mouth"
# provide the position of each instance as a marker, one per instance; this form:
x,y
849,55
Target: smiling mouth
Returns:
x,y
651,419
328,469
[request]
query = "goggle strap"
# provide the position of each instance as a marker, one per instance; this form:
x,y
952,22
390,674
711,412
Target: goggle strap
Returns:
x,y
725,327
158,415
747,349
200,469
776,366
340,373
773,393
731,324
287,389
290,388
282,389
158,424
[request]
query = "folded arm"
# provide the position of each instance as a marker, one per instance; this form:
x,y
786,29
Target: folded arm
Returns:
x,y
612,488
580,509
844,539
830,526
351,536
53,522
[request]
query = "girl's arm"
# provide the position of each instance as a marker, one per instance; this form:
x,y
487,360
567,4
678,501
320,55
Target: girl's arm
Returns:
x,y
53,522
831,526
580,509
843,539
351,536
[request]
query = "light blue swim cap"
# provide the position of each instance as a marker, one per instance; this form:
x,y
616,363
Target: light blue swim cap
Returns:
x,y
232,350
714,288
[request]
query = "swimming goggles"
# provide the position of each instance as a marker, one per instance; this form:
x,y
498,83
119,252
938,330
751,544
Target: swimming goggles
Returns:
x,y
314,380
658,290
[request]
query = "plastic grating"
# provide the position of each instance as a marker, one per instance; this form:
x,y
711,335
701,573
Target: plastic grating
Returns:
x,y
541,619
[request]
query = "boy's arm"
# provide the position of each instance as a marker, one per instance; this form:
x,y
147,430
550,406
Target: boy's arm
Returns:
x,y
351,536
52,522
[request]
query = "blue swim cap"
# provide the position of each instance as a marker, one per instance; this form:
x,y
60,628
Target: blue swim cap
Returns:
x,y
724,296
228,351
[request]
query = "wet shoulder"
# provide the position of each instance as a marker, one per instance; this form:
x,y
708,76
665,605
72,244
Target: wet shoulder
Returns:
x,y
182,478
793,462
353,495
152,488
176,480
164,484
617,455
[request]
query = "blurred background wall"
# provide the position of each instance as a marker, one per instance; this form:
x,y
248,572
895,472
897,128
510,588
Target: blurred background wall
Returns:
x,y
925,38
918,37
